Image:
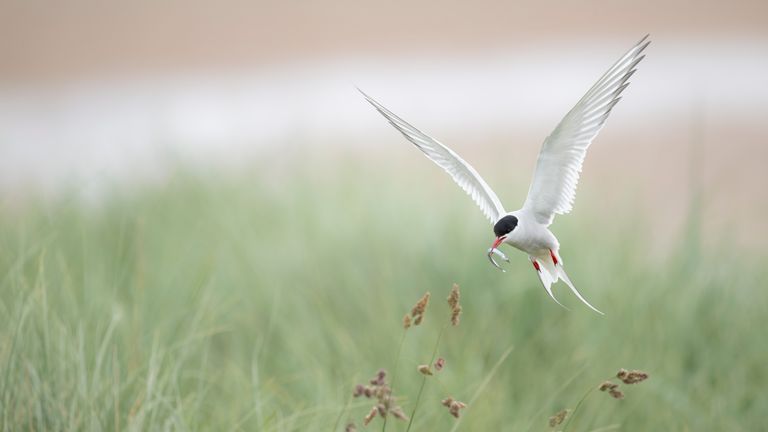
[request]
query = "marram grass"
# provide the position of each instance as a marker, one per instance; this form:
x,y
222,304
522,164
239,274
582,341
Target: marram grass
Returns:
x,y
242,304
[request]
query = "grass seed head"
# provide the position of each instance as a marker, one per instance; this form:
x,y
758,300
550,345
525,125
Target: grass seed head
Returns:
x,y
382,393
417,312
612,389
453,302
455,313
406,321
558,418
398,413
454,406
369,417
350,427
631,377
359,390
380,378
453,297
424,370
439,364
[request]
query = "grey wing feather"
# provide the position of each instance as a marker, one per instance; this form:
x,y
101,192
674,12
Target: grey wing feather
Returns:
x,y
553,188
461,172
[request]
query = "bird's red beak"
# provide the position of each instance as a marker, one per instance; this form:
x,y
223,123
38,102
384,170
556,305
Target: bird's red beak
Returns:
x,y
497,242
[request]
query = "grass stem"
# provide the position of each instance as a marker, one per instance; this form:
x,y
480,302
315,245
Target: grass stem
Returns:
x,y
576,408
424,378
394,373
485,382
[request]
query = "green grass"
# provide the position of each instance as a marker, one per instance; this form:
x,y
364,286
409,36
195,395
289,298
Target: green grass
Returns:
x,y
257,303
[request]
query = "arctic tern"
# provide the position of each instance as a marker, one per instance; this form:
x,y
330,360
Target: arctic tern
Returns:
x,y
553,188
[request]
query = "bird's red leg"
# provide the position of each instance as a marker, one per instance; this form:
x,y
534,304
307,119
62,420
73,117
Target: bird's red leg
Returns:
x,y
554,258
536,266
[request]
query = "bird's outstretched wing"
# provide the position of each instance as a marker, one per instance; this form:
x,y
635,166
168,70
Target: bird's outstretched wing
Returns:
x,y
461,172
557,170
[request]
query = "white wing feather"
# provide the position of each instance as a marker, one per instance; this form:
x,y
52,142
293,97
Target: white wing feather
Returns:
x,y
461,172
557,171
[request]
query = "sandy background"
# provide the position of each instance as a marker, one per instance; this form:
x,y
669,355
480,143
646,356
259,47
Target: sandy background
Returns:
x,y
77,39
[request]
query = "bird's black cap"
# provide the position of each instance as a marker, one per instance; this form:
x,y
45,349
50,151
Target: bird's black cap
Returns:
x,y
505,225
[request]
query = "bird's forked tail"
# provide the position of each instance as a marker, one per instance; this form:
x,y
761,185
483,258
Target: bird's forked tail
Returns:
x,y
549,270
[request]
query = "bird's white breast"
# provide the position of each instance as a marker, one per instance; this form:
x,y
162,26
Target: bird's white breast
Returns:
x,y
530,236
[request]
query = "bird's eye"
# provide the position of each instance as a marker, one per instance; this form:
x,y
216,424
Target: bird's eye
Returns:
x,y
505,225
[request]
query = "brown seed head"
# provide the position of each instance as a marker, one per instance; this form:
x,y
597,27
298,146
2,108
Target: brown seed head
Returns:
x,y
406,321
380,375
398,413
453,405
439,364
382,392
417,313
453,297
607,386
621,374
632,377
380,378
350,428
616,394
455,313
359,390
368,418
557,418
424,370
453,302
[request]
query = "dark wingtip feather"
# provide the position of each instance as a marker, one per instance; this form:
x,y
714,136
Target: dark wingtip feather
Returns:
x,y
643,47
613,103
643,44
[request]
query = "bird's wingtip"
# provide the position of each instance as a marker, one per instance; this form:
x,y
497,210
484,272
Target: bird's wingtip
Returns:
x,y
365,95
645,41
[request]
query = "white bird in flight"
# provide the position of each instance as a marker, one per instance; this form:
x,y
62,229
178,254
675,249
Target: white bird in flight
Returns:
x,y
554,180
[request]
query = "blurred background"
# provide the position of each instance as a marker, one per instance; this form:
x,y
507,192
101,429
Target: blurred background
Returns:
x,y
183,185
94,93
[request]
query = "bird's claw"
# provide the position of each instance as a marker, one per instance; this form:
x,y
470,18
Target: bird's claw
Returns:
x,y
494,251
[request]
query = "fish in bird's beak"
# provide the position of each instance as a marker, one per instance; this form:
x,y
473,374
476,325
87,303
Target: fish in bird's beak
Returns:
x,y
494,251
